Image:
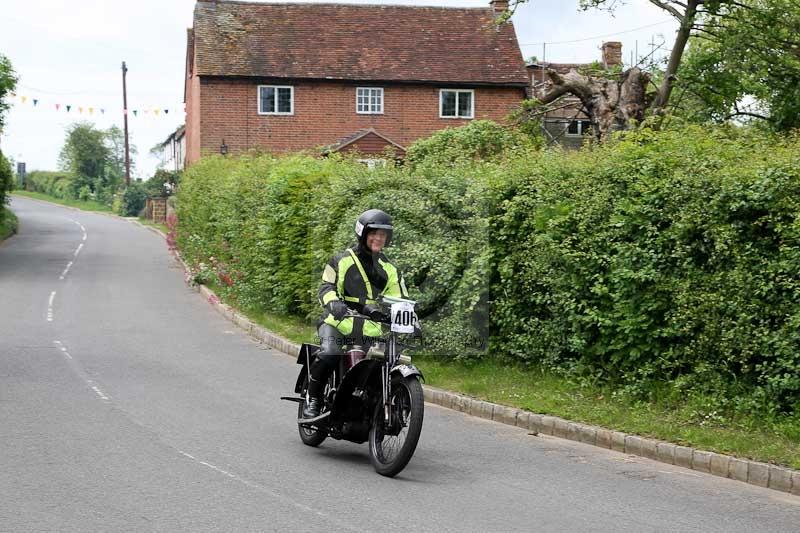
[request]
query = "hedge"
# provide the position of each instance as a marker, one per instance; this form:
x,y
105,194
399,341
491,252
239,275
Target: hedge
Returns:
x,y
6,184
57,184
660,259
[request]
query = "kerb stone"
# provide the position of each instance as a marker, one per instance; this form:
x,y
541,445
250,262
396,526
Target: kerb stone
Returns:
x,y
720,464
701,461
683,456
548,425
758,474
560,428
603,438
780,478
618,441
523,419
665,452
737,469
633,445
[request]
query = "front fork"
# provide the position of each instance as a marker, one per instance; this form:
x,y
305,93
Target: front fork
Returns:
x,y
391,358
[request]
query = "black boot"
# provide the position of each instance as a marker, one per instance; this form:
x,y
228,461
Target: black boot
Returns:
x,y
311,408
314,404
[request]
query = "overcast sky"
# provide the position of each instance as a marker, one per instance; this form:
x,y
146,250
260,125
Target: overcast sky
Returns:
x,y
70,53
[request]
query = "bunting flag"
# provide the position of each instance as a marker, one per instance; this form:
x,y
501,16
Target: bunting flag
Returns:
x,y
59,106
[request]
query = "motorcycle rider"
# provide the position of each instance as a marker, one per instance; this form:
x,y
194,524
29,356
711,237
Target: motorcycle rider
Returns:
x,y
353,280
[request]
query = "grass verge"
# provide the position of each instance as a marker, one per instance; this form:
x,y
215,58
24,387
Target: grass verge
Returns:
x,y
147,222
9,223
86,205
691,423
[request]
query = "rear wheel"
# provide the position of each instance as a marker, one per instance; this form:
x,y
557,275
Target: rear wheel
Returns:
x,y
310,436
392,444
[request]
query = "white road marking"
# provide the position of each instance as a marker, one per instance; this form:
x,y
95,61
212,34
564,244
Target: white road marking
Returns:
x,y
84,236
268,491
96,389
50,306
79,249
66,270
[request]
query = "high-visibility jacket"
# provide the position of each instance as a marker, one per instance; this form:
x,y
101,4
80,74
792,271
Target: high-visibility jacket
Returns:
x,y
358,277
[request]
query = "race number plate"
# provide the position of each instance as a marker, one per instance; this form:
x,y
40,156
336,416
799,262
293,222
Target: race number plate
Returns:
x,y
403,317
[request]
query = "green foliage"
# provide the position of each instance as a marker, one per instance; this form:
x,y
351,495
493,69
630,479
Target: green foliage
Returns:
x,y
662,262
163,183
96,160
8,223
57,184
670,257
752,57
8,82
6,184
133,200
479,140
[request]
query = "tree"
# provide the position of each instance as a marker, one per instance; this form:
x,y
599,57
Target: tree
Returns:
x,y
115,140
96,157
618,101
8,82
745,66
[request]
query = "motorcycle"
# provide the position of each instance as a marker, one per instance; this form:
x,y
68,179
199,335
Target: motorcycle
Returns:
x,y
373,395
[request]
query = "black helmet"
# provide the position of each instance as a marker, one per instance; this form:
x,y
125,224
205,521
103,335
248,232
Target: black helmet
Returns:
x,y
373,219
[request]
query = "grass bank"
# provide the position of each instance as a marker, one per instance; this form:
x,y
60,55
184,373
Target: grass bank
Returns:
x,y
9,224
693,422
86,205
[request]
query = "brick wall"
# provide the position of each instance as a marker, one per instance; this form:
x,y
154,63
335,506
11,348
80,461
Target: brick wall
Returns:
x,y
324,112
193,137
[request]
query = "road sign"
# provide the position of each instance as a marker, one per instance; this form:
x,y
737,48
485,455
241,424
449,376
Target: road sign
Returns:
x,y
21,175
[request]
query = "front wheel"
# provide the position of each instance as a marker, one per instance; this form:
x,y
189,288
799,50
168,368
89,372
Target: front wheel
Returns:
x,y
392,444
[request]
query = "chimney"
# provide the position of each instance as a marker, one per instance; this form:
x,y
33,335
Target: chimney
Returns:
x,y
612,54
499,6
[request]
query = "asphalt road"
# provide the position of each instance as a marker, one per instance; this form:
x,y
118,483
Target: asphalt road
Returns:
x,y
128,404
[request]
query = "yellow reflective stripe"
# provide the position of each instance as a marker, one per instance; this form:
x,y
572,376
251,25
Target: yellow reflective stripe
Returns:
x,y
358,300
344,265
345,326
329,274
363,273
372,329
329,297
393,287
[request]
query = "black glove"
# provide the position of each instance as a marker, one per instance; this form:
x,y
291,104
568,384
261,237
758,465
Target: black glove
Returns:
x,y
375,313
338,309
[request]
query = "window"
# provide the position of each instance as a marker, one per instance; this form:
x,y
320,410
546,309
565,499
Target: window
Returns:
x,y
369,100
275,100
456,104
578,127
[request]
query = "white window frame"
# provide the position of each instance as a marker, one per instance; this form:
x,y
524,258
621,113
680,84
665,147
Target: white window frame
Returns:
x,y
369,100
276,87
581,131
456,116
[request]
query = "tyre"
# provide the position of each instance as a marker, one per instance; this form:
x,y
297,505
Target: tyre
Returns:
x,y
309,436
392,445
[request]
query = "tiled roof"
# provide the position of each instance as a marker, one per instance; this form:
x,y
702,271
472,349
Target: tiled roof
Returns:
x,y
355,42
357,135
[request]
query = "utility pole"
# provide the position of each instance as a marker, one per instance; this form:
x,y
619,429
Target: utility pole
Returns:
x,y
125,114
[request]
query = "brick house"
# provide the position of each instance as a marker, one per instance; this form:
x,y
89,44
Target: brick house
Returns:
x,y
287,77
569,124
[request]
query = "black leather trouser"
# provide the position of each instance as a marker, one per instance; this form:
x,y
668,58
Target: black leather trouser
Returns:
x,y
332,342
